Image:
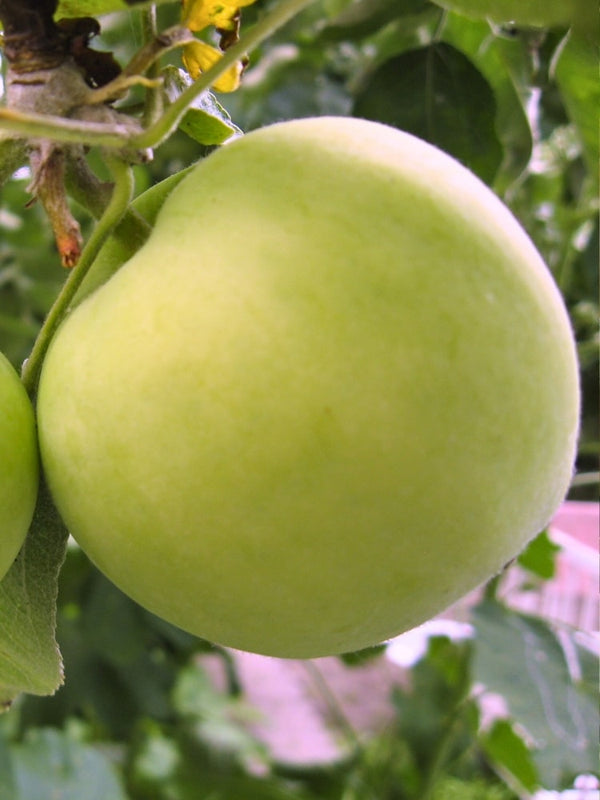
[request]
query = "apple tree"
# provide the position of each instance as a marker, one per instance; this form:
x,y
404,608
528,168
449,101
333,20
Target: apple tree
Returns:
x,y
112,109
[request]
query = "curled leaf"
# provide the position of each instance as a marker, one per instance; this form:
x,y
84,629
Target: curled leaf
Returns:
x,y
199,56
223,14
206,120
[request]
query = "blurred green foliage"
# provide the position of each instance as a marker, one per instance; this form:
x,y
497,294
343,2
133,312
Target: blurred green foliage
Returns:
x,y
138,716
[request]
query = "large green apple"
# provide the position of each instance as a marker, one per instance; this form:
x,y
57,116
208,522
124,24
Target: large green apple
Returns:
x,y
19,469
542,13
335,390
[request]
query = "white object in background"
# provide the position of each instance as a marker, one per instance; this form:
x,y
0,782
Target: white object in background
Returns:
x,y
406,649
586,787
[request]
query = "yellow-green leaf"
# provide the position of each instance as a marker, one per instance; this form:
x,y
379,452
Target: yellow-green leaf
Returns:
x,y
199,14
199,56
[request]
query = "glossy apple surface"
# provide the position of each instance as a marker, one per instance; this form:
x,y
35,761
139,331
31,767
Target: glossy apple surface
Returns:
x,y
19,469
335,390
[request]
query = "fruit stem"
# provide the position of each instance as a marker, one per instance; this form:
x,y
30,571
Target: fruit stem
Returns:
x,y
119,201
30,124
153,105
162,128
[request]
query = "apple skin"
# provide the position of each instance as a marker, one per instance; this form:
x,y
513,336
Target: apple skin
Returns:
x,y
537,13
19,464
335,390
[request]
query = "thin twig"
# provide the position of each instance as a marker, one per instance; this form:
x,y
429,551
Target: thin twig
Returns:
x,y
121,197
118,134
143,60
162,129
59,129
153,99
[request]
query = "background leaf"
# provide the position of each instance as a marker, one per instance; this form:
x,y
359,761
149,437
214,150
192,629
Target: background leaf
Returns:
x,y
577,77
508,66
436,717
539,557
362,18
121,661
49,764
520,658
510,753
436,93
29,656
12,156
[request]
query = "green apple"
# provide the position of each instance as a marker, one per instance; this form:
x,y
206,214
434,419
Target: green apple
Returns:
x,y
537,13
335,390
123,243
19,469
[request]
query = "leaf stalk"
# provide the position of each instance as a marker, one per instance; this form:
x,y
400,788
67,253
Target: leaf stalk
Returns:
x,y
116,208
162,128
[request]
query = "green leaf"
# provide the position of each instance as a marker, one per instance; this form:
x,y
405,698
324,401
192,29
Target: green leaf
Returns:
x,y
539,557
206,121
195,782
360,657
289,83
120,660
588,669
13,154
179,766
520,658
437,718
576,73
8,789
364,17
194,694
507,750
49,764
470,788
437,94
17,327
218,718
507,66
29,657
95,8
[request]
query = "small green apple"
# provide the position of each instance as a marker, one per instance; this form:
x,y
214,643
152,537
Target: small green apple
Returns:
x,y
335,390
537,13
19,469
